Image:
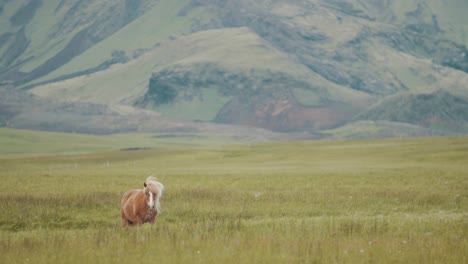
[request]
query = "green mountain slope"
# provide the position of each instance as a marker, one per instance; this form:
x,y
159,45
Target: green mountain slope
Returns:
x,y
439,110
381,129
44,36
220,66
157,24
287,66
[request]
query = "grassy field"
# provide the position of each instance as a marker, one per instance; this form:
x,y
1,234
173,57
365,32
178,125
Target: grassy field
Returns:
x,y
16,142
382,201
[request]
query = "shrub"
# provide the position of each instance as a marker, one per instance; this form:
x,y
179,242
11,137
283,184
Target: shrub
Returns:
x,y
160,92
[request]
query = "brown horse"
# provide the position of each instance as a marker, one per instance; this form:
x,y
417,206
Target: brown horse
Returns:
x,y
142,205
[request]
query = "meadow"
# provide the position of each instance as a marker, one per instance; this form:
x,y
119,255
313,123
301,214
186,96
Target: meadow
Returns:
x,y
367,201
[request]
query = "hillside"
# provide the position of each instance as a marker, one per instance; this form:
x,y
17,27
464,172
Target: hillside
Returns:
x,y
439,110
285,66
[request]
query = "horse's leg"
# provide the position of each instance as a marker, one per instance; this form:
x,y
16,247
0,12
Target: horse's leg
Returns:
x,y
123,220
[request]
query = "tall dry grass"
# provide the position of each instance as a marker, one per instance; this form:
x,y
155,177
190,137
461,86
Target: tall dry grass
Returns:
x,y
381,201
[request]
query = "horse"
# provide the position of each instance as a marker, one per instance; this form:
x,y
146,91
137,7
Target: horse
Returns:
x,y
141,206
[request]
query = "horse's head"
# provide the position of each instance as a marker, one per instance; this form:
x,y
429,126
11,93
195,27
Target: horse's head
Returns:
x,y
153,186
150,198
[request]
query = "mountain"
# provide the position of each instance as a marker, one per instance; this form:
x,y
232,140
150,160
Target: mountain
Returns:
x,y
293,67
439,110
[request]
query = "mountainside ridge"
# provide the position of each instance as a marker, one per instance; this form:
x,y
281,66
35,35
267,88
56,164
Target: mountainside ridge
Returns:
x,y
287,66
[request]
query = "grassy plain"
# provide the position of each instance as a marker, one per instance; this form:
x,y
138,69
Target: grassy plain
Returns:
x,y
372,201
15,142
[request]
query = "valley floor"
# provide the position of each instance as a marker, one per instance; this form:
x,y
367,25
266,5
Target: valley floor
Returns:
x,y
369,201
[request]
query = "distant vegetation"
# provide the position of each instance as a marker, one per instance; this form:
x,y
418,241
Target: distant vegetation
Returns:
x,y
160,92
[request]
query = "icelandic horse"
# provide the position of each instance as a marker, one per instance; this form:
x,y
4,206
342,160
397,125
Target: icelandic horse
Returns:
x,y
141,206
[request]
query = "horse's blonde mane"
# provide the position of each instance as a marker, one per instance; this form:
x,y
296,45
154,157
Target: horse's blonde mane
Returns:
x,y
154,186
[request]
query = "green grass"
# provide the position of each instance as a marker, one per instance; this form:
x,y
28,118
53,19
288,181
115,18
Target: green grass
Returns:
x,y
23,142
383,201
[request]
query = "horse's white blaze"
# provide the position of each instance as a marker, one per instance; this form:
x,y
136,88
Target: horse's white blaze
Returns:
x,y
151,201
